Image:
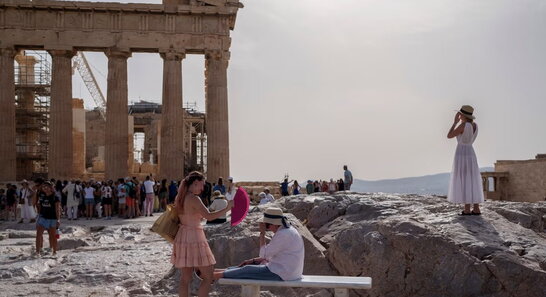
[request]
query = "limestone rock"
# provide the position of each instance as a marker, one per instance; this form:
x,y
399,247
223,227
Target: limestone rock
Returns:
x,y
70,243
419,245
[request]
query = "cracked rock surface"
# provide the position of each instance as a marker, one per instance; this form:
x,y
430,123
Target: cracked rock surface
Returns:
x,y
420,245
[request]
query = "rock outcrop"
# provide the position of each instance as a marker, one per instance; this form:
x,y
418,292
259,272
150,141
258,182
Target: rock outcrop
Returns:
x,y
420,246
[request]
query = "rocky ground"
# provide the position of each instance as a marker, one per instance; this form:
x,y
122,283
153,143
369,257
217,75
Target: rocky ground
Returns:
x,y
409,245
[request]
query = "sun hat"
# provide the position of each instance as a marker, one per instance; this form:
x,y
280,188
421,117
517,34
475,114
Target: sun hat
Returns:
x,y
24,181
261,195
217,194
274,216
467,111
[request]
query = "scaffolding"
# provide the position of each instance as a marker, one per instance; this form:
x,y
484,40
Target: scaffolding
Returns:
x,y
32,97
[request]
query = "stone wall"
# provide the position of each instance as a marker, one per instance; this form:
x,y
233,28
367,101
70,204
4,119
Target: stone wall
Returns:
x,y
526,180
78,137
95,135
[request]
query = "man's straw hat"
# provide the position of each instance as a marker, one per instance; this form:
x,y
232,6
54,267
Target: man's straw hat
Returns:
x,y
467,111
217,194
274,216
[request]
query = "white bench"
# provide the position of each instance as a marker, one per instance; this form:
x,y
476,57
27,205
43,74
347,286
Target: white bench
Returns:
x,y
341,284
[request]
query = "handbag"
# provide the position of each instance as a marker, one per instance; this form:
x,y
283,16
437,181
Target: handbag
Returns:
x,y
167,224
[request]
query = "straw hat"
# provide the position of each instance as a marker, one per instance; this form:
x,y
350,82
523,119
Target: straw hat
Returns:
x,y
217,194
274,216
467,111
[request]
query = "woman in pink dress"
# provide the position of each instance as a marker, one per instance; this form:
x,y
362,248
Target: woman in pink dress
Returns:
x,y
190,248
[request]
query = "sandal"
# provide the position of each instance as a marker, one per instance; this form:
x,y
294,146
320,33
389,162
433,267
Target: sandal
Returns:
x,y
197,274
466,213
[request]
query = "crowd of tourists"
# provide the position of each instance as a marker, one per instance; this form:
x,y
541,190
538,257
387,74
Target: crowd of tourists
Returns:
x,y
125,198
334,185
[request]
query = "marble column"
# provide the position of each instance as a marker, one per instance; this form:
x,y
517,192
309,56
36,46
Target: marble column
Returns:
x,y
7,115
116,157
60,160
216,96
171,155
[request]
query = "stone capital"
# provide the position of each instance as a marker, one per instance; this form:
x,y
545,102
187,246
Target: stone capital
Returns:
x,y
217,55
172,55
62,53
118,53
8,51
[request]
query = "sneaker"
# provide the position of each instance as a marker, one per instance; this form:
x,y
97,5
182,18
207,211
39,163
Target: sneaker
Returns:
x,y
151,215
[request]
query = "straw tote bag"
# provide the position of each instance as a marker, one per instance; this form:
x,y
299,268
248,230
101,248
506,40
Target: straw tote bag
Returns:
x,y
167,224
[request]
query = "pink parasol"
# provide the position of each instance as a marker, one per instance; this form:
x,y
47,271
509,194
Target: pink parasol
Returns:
x,y
240,207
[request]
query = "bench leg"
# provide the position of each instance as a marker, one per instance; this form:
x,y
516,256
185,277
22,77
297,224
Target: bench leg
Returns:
x,y
341,292
251,291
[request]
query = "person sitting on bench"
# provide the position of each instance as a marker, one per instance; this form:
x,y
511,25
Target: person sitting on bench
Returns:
x,y
281,259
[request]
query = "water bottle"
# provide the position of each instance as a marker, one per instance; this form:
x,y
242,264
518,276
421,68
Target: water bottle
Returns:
x,y
58,233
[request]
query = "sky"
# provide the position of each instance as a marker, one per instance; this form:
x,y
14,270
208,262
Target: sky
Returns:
x,y
314,85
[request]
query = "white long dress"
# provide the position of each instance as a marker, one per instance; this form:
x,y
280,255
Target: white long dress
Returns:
x,y
465,185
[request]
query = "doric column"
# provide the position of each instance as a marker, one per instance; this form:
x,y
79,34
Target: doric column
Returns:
x,y
7,115
171,155
60,116
116,157
217,114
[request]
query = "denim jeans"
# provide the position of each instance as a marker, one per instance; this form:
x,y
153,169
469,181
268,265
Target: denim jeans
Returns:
x,y
260,272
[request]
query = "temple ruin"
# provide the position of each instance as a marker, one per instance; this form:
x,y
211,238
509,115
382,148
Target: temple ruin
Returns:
x,y
517,180
183,140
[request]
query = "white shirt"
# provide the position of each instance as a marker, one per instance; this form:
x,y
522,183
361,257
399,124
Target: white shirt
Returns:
x,y
268,198
231,195
285,254
149,186
89,193
106,192
218,204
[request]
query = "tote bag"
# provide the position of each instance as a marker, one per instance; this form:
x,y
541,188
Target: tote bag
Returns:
x,y
167,224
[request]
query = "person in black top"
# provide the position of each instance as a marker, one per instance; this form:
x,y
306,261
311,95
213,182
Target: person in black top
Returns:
x,y
11,197
49,209
207,193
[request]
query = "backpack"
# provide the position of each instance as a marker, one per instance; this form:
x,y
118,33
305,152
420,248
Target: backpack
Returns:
x,y
132,190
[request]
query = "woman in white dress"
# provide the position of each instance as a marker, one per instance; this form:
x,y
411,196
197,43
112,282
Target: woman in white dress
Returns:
x,y
466,182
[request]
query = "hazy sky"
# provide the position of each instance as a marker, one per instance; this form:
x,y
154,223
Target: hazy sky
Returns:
x,y
316,84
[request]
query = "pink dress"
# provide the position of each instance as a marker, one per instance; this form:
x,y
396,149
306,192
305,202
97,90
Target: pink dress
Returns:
x,y
190,246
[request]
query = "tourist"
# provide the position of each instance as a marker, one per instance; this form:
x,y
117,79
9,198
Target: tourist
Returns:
x,y
220,186
190,248
173,191
97,195
348,178
49,209
163,194
122,196
264,198
106,191
332,186
284,187
340,185
89,199
281,259
3,205
207,193
59,192
309,188
139,197
466,182
268,194
73,191
316,184
231,189
130,192
27,209
324,187
219,202
149,202
12,200
296,188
